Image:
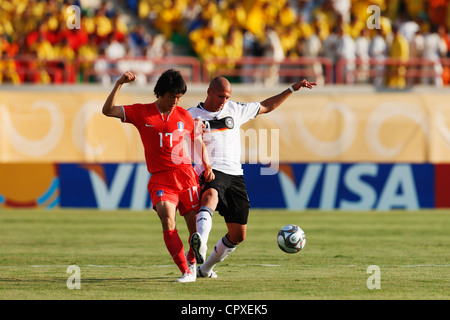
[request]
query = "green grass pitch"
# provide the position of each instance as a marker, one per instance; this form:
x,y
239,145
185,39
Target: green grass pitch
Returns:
x,y
121,255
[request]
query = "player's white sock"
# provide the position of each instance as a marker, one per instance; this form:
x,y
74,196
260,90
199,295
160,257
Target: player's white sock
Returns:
x,y
222,250
204,223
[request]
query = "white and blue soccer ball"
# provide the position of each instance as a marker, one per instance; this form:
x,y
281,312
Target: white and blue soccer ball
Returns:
x,y
291,238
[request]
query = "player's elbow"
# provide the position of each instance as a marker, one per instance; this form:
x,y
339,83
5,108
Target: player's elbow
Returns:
x,y
107,111
265,109
112,111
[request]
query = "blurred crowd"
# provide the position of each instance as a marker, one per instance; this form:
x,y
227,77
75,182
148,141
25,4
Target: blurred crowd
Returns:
x,y
334,29
408,30
37,45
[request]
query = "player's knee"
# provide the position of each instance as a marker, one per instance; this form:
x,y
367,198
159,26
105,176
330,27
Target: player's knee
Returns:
x,y
168,224
237,237
241,239
210,198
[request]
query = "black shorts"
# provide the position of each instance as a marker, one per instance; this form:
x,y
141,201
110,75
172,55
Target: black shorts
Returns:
x,y
233,203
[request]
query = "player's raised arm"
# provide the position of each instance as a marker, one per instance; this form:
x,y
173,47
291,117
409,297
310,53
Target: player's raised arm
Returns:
x,y
111,110
274,102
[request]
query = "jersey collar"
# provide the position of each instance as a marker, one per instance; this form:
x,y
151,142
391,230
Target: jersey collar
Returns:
x,y
200,106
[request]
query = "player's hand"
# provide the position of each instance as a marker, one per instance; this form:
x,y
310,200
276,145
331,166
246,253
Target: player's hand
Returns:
x,y
303,84
126,78
209,174
199,126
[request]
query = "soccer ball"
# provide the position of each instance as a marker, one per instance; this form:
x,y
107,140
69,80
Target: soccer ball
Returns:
x,y
291,238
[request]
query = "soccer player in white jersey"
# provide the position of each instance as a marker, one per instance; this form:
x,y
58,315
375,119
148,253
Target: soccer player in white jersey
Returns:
x,y
227,193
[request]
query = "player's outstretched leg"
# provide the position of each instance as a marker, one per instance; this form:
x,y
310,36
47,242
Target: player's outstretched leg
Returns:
x,y
222,250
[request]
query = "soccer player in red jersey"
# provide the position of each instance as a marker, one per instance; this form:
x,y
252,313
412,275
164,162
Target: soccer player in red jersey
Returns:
x,y
164,128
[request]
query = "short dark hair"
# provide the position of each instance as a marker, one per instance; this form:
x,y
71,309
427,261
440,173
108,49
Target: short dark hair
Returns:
x,y
170,81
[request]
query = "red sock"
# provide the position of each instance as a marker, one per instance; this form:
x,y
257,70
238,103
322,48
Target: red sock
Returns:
x,y
175,247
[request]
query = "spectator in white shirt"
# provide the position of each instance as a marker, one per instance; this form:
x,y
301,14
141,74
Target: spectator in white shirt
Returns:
x,y
434,48
346,49
378,51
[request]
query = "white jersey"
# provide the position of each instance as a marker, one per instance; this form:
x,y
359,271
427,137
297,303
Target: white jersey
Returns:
x,y
222,134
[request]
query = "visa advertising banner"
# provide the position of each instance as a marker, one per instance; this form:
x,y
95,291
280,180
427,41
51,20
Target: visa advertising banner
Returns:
x,y
324,186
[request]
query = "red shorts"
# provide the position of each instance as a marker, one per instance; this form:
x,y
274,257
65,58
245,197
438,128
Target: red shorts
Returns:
x,y
180,187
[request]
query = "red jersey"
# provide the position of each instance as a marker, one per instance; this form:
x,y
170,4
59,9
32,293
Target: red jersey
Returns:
x,y
163,136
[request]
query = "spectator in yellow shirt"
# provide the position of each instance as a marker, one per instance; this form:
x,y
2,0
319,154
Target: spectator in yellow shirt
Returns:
x,y
304,28
234,46
326,16
256,22
398,50
199,37
237,14
103,24
44,49
287,15
170,19
88,22
288,40
214,49
355,27
120,27
271,14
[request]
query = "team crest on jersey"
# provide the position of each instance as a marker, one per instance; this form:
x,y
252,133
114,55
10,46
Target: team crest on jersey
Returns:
x,y
180,126
229,122
160,193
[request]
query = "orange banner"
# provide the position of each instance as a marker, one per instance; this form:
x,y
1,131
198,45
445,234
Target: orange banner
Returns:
x,y
67,126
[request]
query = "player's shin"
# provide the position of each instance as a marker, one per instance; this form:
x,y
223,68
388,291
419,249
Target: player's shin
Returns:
x,y
175,247
204,223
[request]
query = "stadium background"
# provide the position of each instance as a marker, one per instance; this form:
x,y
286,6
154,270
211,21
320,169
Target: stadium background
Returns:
x,y
375,134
